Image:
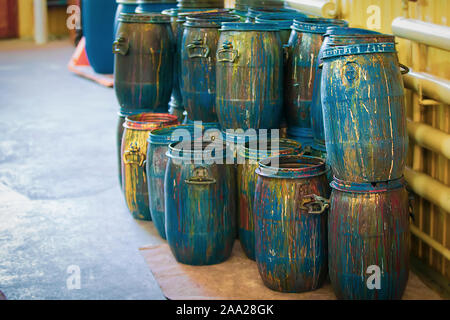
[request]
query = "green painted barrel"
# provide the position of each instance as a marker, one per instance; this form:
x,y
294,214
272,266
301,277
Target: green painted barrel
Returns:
x,y
144,49
249,76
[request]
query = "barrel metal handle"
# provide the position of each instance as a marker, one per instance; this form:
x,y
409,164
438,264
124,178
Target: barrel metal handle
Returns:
x,y
197,49
227,53
121,46
134,155
286,52
200,177
403,69
312,201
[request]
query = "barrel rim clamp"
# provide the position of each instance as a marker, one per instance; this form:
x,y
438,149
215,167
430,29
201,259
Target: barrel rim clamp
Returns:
x,y
311,200
134,150
227,47
198,44
121,46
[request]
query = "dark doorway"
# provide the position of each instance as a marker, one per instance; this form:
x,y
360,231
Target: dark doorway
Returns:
x,y
8,19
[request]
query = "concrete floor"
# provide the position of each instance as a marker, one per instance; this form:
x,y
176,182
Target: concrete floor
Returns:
x,y
60,202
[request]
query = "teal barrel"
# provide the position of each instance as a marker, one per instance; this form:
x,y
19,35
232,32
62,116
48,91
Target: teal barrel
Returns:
x,y
158,145
200,204
154,6
98,29
291,223
368,240
364,111
301,62
252,153
283,20
144,49
249,76
355,35
198,64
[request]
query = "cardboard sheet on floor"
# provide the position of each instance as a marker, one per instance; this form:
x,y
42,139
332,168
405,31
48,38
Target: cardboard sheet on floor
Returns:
x,y
236,278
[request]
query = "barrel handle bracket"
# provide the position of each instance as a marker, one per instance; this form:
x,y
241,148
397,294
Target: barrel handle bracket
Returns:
x,y
403,69
197,49
286,52
314,204
134,155
121,46
227,53
200,177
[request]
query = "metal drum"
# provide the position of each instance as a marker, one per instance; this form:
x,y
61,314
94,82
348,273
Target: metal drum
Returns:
x,y
302,50
283,20
158,144
133,157
364,110
291,223
252,153
350,34
200,204
368,240
249,76
154,6
198,64
144,62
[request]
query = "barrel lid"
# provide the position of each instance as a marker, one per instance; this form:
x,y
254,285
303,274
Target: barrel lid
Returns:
x,y
246,26
155,1
362,48
239,137
292,167
206,20
283,20
316,25
148,121
165,135
300,132
374,187
144,18
127,1
261,149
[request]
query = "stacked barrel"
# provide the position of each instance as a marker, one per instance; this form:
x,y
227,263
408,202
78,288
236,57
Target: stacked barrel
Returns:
x,y
364,116
226,172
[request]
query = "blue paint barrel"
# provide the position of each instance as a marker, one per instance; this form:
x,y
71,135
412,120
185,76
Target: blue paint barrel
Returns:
x,y
368,240
301,60
200,204
291,223
198,64
364,110
358,36
158,144
154,6
283,20
98,29
249,76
